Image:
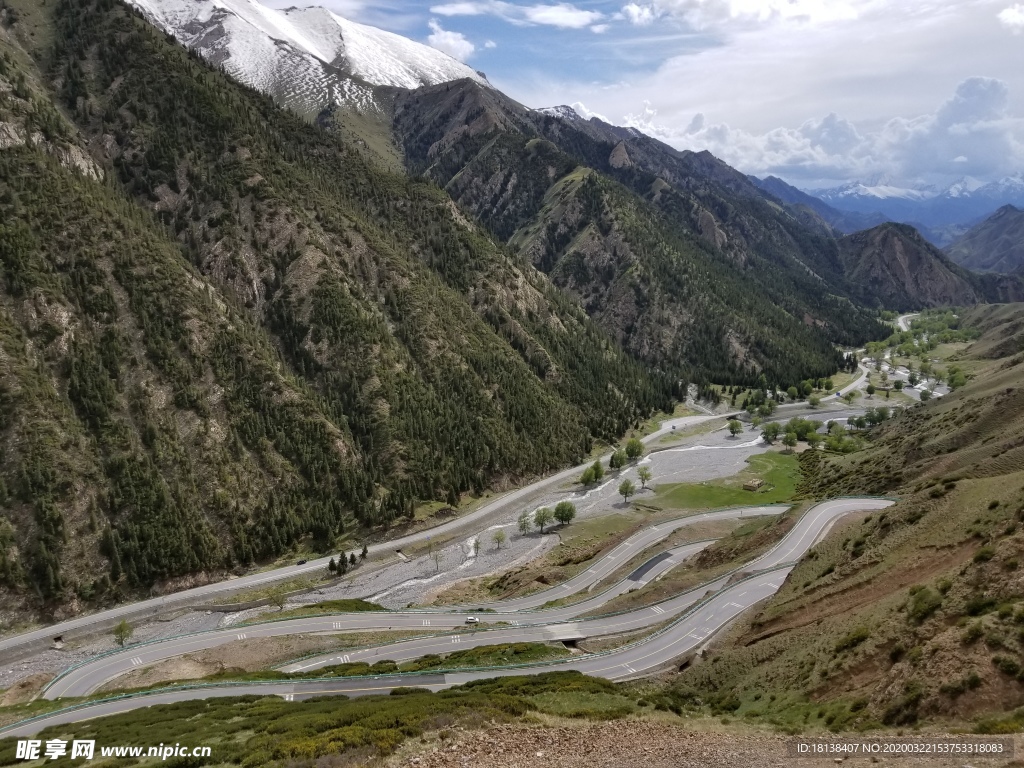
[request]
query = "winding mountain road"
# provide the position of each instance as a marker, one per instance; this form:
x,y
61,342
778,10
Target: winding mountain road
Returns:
x,y
702,612
83,679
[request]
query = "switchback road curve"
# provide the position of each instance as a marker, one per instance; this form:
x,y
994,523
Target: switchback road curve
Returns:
x,y
700,619
85,678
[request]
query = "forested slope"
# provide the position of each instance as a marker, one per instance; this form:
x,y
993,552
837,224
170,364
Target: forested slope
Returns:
x,y
675,253
224,331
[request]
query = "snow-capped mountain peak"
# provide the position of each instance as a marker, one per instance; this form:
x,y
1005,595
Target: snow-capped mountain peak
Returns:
x,y
306,57
881,189
563,111
964,186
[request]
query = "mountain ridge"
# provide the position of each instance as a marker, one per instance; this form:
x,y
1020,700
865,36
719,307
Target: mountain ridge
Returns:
x,y
993,245
570,195
895,264
941,213
306,57
845,221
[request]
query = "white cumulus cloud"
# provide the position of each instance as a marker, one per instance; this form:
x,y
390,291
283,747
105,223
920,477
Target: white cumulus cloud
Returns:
x,y
562,15
1012,18
454,44
640,15
581,109
709,13
970,133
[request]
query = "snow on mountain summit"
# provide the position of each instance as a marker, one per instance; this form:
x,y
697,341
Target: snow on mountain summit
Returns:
x,y
880,188
563,111
306,57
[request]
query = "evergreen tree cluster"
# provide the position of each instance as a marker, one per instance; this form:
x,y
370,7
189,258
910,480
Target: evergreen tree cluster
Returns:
x,y
238,334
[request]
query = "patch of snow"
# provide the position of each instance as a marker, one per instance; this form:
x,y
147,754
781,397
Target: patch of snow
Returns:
x,y
303,56
563,111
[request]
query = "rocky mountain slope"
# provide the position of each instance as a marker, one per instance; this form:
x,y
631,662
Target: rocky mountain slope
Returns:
x,y
894,265
675,253
224,333
994,245
307,58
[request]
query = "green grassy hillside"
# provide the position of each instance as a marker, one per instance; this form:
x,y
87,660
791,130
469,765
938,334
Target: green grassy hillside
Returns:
x,y
915,613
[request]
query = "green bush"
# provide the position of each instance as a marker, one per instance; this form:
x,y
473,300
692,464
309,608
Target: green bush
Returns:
x,y
1006,665
924,601
984,554
904,710
979,605
973,633
853,639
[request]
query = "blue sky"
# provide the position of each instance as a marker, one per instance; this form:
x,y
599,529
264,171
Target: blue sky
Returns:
x,y
815,91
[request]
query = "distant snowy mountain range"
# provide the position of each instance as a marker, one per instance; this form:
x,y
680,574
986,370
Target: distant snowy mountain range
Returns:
x,y
310,58
307,58
938,212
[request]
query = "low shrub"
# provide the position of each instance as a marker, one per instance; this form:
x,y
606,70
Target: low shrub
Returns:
x,y
853,639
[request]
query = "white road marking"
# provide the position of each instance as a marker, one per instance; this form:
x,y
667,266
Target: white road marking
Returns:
x,y
136,661
456,639
289,697
426,622
657,609
337,625
241,635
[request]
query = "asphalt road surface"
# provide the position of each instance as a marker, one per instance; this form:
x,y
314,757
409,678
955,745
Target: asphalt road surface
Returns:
x,y
903,321
630,547
703,612
86,678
